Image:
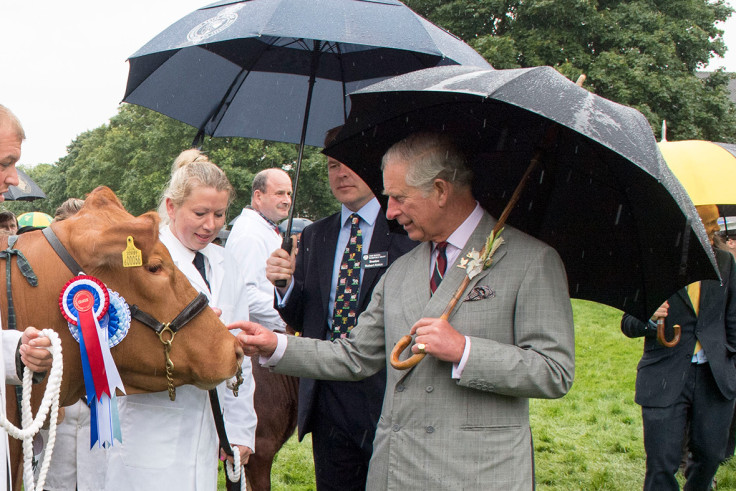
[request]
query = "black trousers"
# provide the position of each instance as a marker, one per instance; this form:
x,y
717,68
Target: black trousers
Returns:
x,y
341,454
708,413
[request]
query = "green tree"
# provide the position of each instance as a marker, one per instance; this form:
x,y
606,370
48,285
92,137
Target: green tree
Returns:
x,y
642,53
133,155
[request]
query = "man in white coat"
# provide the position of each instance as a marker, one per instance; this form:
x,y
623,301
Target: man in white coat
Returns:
x,y
26,348
460,418
255,236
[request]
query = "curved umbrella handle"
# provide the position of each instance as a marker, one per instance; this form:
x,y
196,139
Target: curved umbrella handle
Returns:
x,y
403,343
661,337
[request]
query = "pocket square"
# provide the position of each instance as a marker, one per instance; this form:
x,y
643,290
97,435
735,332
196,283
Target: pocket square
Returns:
x,y
479,293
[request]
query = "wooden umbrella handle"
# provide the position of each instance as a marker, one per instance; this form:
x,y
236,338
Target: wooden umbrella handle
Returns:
x,y
405,341
661,337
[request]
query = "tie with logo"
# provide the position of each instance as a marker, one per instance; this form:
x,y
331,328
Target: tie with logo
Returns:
x,y
440,265
199,264
693,291
347,291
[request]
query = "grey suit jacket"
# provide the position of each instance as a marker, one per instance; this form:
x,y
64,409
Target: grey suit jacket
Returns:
x,y
473,433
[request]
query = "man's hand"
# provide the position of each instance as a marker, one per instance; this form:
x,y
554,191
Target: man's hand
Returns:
x,y
33,350
439,338
661,311
255,339
280,266
245,453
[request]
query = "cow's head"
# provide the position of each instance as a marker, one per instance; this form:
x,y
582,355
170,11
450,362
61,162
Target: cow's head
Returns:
x,y
203,352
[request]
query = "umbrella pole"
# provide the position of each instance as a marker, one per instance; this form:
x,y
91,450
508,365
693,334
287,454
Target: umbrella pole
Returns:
x,y
404,342
287,242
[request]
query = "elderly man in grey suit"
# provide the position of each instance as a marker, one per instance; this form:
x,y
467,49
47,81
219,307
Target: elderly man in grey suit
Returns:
x,y
460,418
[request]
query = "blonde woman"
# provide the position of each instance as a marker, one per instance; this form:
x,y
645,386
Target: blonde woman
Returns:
x,y
174,445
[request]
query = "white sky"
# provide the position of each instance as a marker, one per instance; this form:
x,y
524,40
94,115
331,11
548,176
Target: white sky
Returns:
x,y
63,64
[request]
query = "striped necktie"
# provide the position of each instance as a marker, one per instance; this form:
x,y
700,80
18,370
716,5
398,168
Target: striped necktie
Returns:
x,y
440,266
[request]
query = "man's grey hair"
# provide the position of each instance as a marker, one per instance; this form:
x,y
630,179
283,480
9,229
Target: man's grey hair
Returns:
x,y
8,118
430,156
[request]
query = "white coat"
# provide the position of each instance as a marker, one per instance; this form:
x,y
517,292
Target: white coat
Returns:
x,y
73,463
251,242
174,445
7,361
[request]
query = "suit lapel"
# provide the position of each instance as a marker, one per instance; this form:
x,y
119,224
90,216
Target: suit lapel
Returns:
x,y
417,293
379,243
326,259
455,275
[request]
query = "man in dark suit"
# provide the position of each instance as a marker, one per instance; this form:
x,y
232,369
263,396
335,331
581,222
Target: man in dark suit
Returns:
x,y
342,416
693,384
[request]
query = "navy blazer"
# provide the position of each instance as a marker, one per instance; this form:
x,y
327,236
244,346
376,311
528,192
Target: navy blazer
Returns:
x,y
659,378
307,308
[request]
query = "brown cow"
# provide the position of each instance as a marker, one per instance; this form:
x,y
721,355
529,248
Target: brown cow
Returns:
x,y
203,352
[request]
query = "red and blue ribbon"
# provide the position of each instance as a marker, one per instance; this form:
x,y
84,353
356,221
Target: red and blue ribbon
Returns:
x,y
85,303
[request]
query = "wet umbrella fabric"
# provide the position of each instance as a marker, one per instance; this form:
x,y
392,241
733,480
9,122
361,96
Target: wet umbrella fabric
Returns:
x,y
707,171
602,195
281,69
26,190
243,68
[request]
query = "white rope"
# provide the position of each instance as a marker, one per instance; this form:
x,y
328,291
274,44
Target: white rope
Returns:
x,y
232,474
32,426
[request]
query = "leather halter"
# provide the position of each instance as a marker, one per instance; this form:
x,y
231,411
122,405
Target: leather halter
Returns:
x,y
165,331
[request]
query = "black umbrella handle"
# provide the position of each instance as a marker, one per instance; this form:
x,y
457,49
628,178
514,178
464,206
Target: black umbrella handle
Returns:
x,y
286,245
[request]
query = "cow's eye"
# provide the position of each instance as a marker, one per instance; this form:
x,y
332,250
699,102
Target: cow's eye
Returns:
x,y
154,268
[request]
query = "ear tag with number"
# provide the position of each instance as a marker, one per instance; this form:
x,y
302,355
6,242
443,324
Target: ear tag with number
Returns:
x,y
132,256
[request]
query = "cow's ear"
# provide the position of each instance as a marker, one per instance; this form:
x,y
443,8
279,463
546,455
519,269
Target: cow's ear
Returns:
x,y
103,197
110,243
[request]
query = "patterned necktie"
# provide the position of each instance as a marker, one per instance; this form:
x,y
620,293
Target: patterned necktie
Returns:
x,y
440,266
199,264
345,314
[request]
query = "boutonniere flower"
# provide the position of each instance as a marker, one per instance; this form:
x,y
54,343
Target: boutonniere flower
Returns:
x,y
474,262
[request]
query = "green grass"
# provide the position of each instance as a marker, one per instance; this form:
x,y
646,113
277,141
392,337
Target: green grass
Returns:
x,y
591,439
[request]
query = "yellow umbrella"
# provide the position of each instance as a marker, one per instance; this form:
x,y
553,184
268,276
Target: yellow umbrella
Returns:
x,y
707,170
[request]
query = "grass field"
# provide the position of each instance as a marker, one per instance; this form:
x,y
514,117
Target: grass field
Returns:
x,y
591,439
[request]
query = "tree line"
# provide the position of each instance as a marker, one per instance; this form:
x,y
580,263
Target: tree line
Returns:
x,y
641,53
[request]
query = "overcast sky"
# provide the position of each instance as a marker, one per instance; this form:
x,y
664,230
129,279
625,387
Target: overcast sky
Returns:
x,y
63,64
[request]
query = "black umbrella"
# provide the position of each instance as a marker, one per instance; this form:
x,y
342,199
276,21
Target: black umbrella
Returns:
x,y
280,69
601,194
26,190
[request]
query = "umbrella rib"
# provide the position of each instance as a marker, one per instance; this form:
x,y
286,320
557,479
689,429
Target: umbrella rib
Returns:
x,y
213,121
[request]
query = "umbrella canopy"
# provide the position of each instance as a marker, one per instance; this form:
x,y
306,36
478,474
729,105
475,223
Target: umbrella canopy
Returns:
x,y
26,190
243,68
252,68
34,219
707,171
602,195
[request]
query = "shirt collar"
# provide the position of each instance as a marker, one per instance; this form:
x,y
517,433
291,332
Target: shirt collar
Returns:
x,y
368,213
462,234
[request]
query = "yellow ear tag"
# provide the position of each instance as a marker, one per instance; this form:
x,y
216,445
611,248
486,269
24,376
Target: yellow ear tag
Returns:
x,y
132,256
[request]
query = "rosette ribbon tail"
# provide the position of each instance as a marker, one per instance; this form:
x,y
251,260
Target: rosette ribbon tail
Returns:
x,y
108,421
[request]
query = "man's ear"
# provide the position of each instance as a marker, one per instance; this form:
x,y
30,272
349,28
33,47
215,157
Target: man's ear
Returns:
x,y
442,188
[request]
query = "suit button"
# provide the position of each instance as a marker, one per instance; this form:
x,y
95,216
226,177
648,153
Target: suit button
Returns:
x,y
429,388
430,429
395,427
400,388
